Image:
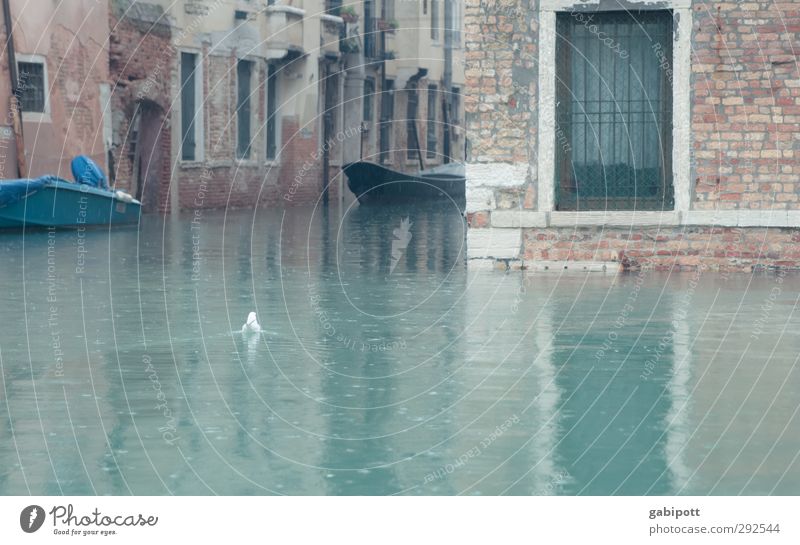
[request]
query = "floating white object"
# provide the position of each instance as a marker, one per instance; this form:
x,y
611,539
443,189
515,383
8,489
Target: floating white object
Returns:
x,y
252,325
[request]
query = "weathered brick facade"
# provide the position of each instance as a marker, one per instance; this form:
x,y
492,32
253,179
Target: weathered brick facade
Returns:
x,y
72,86
746,105
736,140
141,61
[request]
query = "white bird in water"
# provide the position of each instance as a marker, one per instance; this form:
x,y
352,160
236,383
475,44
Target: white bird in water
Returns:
x,y
251,325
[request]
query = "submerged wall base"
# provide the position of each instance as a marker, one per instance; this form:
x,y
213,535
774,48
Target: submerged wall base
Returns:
x,y
743,249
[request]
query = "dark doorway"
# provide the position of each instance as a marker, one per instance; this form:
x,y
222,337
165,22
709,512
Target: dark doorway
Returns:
x,y
148,155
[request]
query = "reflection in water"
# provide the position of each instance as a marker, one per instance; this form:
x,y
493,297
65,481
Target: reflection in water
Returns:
x,y
386,366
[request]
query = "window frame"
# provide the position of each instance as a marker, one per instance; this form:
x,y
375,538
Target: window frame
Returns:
x,y
271,77
249,98
199,110
435,21
681,102
593,115
43,116
368,98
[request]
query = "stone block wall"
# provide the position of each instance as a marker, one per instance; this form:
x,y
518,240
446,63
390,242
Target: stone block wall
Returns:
x,y
500,62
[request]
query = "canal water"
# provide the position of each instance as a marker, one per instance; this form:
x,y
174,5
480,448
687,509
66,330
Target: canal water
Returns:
x,y
385,365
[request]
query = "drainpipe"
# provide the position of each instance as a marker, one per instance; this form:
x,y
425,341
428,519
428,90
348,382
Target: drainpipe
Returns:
x,y
14,104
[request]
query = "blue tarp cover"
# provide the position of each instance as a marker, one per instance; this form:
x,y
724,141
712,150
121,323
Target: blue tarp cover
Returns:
x,y
12,191
86,171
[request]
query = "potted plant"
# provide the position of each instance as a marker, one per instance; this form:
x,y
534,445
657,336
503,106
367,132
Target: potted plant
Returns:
x,y
348,14
387,26
349,45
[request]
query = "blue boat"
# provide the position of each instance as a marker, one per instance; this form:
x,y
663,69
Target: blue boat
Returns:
x,y
50,201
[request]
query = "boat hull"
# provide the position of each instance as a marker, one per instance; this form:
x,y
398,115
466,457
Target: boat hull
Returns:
x,y
63,204
373,184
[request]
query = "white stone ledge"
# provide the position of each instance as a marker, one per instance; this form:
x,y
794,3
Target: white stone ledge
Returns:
x,y
515,219
497,175
328,18
493,243
280,8
580,266
518,218
591,5
742,218
481,264
614,219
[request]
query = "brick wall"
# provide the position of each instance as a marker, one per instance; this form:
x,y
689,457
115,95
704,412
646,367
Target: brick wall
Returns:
x,y
300,174
717,248
746,105
141,62
75,69
500,100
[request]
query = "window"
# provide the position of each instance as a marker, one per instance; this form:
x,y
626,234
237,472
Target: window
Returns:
x,y
369,36
455,106
613,137
272,109
332,7
411,124
189,106
387,115
434,19
387,10
431,132
455,24
244,71
32,86
369,96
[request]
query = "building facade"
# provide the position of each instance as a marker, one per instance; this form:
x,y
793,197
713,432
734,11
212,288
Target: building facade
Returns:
x,y
644,133
58,106
224,103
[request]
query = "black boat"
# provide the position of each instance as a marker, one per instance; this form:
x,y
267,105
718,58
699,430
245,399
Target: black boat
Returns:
x,y
372,183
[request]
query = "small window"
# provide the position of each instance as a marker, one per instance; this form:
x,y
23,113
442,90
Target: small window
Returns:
x,y
455,106
434,19
244,72
369,96
431,133
272,112
387,10
613,132
189,87
31,86
455,24
332,7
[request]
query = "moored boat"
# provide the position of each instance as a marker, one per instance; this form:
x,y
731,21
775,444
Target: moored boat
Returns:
x,y
50,201
372,183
